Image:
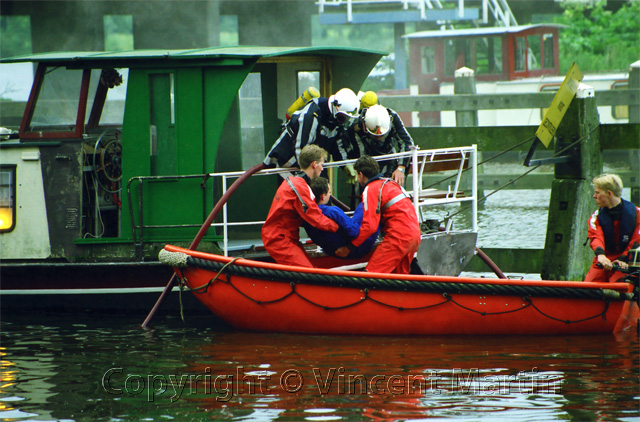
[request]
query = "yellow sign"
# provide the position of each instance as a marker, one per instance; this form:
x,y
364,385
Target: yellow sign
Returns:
x,y
559,105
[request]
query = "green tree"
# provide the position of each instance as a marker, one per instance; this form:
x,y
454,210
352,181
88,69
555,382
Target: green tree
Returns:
x,y
15,36
118,32
597,39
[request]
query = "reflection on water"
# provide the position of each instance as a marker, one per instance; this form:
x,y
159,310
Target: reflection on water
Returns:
x,y
57,369
105,368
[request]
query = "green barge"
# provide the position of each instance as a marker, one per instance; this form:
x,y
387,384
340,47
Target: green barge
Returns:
x,y
111,158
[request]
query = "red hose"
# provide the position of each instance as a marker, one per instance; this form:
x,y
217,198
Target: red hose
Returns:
x,y
490,263
203,230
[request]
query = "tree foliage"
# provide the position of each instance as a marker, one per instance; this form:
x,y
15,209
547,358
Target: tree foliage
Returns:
x,y
15,36
597,39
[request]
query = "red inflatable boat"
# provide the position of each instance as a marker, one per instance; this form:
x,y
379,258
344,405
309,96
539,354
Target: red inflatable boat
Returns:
x,y
262,296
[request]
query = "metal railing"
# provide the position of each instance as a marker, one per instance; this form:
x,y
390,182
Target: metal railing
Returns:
x,y
456,158
500,9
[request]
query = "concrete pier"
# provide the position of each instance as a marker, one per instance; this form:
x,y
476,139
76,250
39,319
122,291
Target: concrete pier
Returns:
x,y
565,256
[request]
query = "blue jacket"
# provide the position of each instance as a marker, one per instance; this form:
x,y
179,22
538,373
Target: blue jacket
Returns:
x,y
349,228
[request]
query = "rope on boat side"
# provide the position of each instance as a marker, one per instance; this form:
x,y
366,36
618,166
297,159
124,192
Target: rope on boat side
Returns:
x,y
447,297
174,259
603,313
410,285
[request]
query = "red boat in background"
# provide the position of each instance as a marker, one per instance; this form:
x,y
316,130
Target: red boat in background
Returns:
x,y
263,296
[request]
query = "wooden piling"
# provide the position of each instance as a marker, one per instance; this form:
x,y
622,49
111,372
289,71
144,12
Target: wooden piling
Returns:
x,y
566,257
465,83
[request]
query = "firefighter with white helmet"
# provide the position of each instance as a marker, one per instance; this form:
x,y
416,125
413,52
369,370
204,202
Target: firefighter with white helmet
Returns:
x,y
344,105
321,121
379,131
377,121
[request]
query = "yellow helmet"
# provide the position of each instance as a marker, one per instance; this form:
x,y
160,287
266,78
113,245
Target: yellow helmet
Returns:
x,y
368,99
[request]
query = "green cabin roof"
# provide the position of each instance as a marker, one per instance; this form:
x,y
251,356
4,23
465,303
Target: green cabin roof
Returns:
x,y
216,54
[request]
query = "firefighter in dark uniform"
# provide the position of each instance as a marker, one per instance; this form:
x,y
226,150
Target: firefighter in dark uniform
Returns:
x,y
379,131
321,121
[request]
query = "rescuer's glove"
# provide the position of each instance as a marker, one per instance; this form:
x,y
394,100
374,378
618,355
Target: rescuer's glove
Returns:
x,y
351,174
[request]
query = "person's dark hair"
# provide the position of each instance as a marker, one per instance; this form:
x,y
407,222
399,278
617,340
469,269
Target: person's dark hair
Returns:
x,y
309,154
367,166
319,187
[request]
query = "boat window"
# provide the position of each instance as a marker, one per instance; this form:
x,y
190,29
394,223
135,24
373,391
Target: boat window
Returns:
x,y
15,82
428,60
57,105
307,78
115,89
533,52
7,198
162,124
620,111
520,46
457,54
251,121
488,55
549,56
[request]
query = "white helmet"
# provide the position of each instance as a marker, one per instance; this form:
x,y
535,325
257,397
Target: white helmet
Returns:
x,y
377,121
344,105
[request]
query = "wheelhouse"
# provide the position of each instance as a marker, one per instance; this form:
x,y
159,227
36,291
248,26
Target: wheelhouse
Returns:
x,y
495,54
112,148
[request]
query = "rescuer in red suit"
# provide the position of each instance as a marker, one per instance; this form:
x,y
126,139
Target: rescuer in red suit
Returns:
x,y
613,229
384,200
294,202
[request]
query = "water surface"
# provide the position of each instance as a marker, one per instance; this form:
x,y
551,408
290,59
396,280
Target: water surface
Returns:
x,y
109,369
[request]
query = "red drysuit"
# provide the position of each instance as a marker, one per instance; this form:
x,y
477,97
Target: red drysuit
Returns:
x,y
400,226
623,234
280,233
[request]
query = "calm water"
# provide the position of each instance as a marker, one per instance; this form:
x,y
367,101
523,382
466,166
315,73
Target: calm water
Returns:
x,y
106,368
109,369
509,219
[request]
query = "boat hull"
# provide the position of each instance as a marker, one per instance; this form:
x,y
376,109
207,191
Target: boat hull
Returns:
x,y
266,303
111,287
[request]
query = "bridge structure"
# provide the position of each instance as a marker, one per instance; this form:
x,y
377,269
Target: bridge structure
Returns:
x,y
442,13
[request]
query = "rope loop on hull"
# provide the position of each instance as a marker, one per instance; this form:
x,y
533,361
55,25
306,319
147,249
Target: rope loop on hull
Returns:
x,y
294,279
408,285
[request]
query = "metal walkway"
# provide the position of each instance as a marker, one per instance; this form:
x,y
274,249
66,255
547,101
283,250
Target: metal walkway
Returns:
x,y
396,11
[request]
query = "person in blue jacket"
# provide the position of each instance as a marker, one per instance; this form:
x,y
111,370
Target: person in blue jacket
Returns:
x,y
348,227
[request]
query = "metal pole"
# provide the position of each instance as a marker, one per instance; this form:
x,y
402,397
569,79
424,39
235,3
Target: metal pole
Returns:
x,y
474,188
225,229
416,176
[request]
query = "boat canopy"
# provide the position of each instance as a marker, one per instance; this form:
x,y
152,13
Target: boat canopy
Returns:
x,y
215,54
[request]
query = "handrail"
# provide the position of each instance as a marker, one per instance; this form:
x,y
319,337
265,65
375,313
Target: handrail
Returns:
x,y
416,155
420,5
